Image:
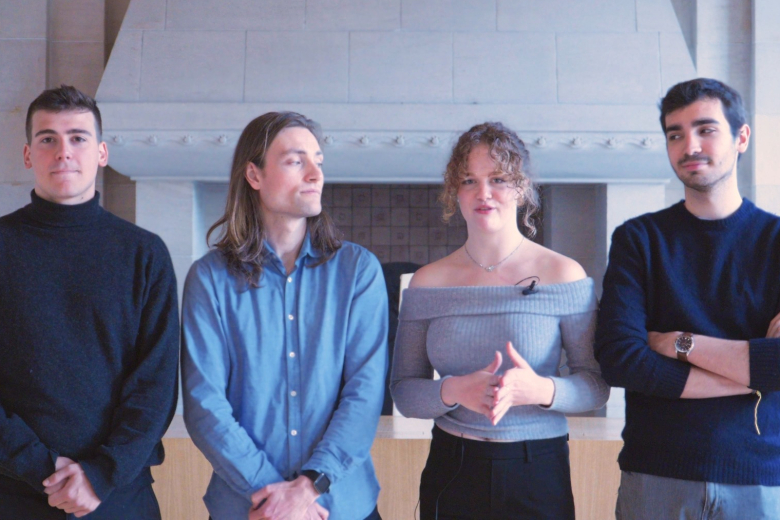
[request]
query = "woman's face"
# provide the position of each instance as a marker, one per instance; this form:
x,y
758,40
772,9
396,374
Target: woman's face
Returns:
x,y
487,197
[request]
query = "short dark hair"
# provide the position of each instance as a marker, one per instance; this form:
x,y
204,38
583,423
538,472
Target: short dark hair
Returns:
x,y
683,94
64,98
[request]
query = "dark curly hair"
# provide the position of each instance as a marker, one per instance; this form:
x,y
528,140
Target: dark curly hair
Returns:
x,y
512,159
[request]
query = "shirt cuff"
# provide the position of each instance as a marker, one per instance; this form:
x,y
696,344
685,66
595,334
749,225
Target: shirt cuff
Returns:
x,y
765,364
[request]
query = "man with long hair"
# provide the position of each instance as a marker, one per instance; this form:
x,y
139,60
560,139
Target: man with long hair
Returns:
x,y
284,341
688,326
89,334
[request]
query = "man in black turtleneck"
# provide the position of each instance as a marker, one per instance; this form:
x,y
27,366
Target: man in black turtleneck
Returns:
x,y
88,334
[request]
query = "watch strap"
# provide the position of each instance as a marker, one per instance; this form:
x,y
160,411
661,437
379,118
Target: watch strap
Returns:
x,y
320,480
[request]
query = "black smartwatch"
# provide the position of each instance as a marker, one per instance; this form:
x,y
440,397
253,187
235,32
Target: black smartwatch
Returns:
x,y
320,480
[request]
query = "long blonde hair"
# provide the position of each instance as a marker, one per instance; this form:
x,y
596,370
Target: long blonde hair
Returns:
x,y
242,233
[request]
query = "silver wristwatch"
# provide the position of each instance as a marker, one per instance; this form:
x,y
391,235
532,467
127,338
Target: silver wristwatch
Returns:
x,y
684,345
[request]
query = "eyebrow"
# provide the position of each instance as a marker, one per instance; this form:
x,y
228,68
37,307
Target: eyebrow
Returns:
x,y
300,152
697,122
69,132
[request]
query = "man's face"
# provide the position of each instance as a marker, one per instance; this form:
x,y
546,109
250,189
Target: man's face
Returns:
x,y
290,182
700,145
64,155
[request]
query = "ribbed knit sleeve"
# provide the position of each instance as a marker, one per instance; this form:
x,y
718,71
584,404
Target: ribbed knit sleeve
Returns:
x,y
583,389
414,391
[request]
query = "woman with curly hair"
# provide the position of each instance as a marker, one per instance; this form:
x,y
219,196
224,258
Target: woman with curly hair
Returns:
x,y
499,447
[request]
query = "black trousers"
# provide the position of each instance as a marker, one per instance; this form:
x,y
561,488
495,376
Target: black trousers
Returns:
x,y
373,516
468,479
132,502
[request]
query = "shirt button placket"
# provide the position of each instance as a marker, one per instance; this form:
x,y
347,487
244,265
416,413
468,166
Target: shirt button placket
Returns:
x,y
293,370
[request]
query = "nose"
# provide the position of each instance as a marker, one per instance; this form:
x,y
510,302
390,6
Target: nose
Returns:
x,y
64,151
483,190
692,144
313,172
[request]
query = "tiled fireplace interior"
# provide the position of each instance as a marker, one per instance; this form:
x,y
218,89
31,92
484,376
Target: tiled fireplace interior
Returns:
x,y
398,223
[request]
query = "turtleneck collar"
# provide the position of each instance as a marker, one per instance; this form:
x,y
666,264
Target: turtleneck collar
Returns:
x,y
63,215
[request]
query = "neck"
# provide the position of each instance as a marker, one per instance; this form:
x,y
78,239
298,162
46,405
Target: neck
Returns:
x,y
286,237
489,249
716,204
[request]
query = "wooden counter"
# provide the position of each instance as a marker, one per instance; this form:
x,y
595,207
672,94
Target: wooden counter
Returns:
x,y
399,454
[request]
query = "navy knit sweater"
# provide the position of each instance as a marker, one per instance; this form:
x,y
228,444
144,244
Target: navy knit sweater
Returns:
x,y
670,271
88,345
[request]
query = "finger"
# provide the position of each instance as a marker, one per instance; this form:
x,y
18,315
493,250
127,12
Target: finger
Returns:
x,y
60,475
495,364
516,358
499,411
259,497
50,490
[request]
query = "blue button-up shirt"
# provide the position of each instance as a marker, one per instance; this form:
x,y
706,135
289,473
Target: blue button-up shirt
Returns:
x,y
285,377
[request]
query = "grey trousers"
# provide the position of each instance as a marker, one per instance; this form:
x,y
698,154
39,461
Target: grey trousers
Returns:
x,y
643,497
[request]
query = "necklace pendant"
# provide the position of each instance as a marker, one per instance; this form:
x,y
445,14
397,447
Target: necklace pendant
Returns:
x,y
490,269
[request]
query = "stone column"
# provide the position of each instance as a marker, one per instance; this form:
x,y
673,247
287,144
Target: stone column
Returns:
x,y
766,121
167,209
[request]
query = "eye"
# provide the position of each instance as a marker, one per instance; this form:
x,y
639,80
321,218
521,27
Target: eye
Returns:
x,y
707,130
79,139
498,180
466,181
47,140
673,137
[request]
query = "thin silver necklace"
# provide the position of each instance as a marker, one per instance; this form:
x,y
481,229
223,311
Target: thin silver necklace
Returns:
x,y
491,268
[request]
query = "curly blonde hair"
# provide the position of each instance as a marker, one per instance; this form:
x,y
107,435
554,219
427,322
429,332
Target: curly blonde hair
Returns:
x,y
512,159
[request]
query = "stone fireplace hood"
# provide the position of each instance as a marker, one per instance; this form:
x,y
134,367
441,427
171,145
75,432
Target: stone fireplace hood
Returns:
x,y
393,88
380,143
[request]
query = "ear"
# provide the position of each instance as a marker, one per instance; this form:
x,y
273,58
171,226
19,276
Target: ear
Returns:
x,y
102,154
26,154
743,138
253,176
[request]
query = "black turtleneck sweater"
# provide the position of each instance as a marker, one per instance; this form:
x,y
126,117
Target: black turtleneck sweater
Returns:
x,y
88,345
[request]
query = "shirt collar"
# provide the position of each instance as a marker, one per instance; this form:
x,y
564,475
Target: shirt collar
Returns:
x,y
307,251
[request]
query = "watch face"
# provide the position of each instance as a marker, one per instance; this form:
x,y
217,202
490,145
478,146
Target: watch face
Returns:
x,y
683,344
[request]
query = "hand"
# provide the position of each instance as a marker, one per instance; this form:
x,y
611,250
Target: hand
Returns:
x,y
284,500
60,463
774,328
475,391
316,512
69,488
520,385
663,343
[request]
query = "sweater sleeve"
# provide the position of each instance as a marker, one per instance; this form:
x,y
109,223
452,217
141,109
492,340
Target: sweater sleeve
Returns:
x,y
22,455
148,393
765,364
621,335
414,391
583,389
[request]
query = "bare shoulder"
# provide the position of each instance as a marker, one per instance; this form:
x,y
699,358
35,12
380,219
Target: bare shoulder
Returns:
x,y
435,274
556,268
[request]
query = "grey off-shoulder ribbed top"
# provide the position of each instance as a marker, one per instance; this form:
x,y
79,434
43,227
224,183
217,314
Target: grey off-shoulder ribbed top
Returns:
x,y
456,331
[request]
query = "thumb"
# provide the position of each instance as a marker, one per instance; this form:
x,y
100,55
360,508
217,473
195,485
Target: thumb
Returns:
x,y
516,358
495,364
60,475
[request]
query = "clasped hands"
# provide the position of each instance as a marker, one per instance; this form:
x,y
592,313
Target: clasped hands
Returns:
x,y
492,395
69,488
295,500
